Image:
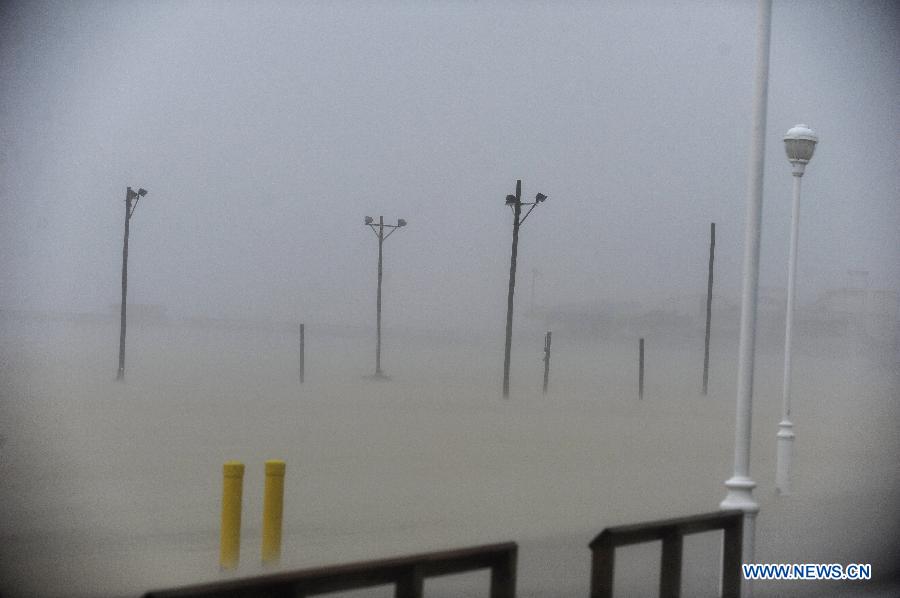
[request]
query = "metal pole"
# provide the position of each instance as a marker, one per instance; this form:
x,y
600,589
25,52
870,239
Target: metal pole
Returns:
x,y
378,325
547,338
786,427
709,288
302,353
740,485
517,211
121,373
641,369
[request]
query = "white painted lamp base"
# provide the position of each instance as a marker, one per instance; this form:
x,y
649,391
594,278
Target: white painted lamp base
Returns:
x,y
785,454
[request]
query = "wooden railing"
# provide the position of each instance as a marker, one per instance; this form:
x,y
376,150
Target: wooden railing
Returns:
x,y
671,532
406,573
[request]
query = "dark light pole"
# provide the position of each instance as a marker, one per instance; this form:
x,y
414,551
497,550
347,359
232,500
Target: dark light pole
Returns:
x,y
302,352
130,195
378,229
709,290
641,369
516,203
547,338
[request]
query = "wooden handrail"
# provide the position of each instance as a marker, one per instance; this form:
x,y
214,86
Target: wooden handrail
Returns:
x,y
671,532
407,573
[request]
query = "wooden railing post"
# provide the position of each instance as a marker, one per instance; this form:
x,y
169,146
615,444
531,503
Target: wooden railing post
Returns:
x,y
603,562
503,576
407,573
672,533
732,542
410,584
670,575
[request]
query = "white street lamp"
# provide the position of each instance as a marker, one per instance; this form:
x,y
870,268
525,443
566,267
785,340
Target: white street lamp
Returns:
x,y
799,143
740,485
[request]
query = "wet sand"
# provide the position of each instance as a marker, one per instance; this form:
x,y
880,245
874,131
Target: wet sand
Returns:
x,y
113,489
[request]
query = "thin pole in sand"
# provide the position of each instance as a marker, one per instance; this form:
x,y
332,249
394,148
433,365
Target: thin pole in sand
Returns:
x,y
302,353
641,369
547,360
709,288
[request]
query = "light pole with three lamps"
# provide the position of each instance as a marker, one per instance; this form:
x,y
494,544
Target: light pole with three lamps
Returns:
x,y
799,143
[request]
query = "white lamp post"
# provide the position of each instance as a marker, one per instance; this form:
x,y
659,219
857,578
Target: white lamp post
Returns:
x,y
740,485
799,143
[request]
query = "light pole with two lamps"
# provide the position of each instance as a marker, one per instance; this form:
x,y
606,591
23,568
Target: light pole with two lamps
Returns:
x,y
378,229
800,144
516,203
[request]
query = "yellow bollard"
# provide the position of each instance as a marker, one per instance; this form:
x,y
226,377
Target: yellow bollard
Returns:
x,y
232,491
272,510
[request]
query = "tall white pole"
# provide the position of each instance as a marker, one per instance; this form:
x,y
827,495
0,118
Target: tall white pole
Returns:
x,y
740,485
785,434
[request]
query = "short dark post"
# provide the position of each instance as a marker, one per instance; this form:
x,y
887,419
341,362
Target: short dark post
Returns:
x,y
302,353
546,360
641,369
709,288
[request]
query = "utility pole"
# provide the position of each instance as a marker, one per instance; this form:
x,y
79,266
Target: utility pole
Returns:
x,y
378,229
129,211
709,288
516,203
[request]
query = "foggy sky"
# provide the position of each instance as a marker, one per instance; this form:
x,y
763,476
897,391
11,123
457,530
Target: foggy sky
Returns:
x,y
265,132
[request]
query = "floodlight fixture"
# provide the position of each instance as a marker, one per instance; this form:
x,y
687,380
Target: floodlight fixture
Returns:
x,y
401,222
368,220
540,197
142,192
510,200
